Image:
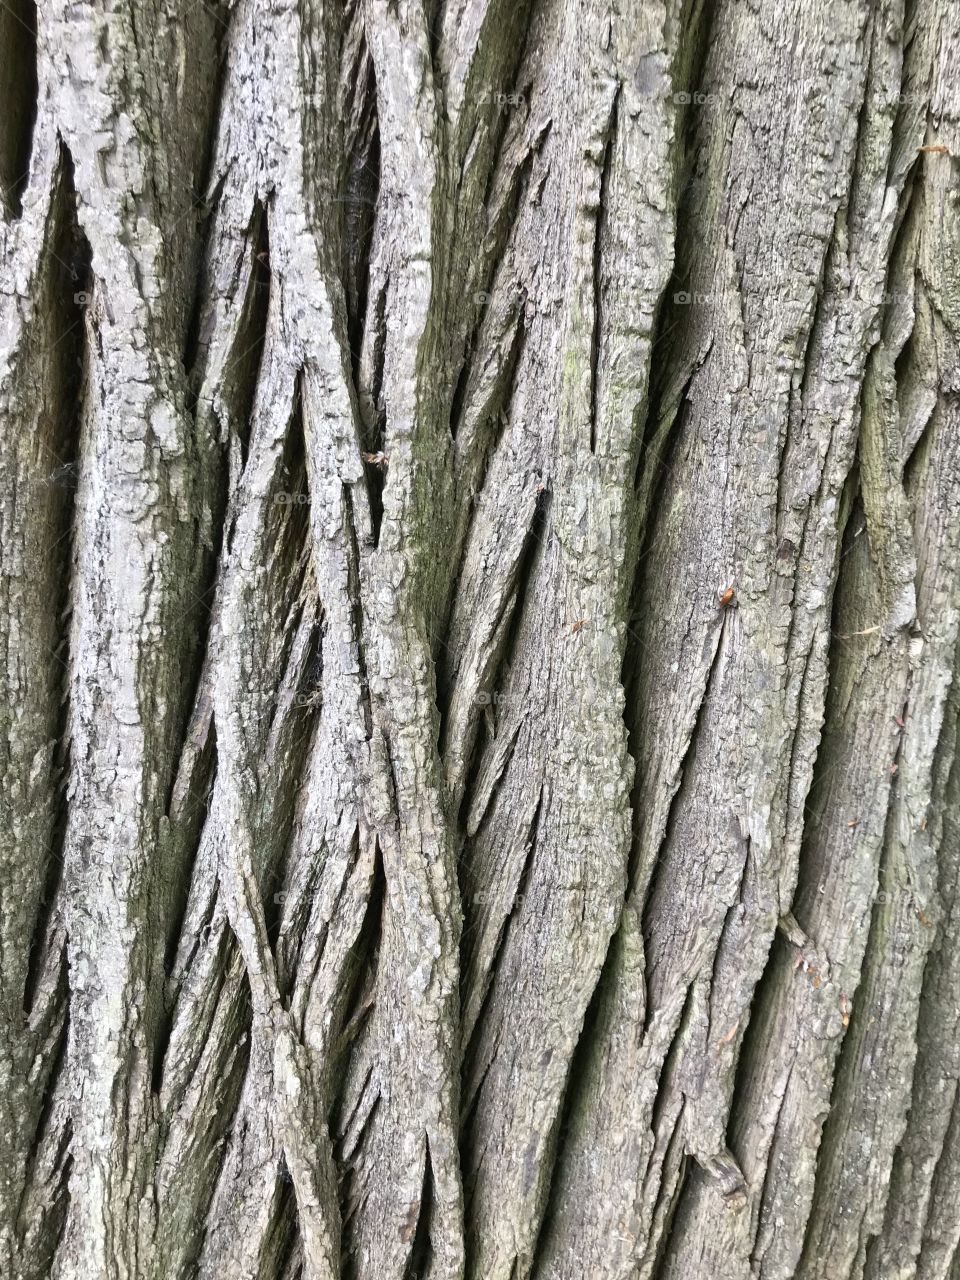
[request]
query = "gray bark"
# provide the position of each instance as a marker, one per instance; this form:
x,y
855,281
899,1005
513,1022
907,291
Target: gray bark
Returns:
x,y
480,584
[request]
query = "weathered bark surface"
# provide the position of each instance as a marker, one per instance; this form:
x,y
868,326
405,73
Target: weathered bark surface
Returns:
x,y
480,571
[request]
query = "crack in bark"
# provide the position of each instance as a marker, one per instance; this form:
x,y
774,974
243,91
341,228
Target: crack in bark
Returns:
x,y
602,203
18,92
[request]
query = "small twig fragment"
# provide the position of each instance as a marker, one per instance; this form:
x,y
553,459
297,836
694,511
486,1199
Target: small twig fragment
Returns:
x,y
728,1035
791,930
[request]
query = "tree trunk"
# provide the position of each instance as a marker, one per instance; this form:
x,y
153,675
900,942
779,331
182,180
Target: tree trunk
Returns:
x,y
480,515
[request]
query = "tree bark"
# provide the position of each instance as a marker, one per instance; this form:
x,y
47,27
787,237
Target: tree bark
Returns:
x,y
480,583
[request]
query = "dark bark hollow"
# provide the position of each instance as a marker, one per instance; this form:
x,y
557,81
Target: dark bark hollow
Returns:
x,y
480,570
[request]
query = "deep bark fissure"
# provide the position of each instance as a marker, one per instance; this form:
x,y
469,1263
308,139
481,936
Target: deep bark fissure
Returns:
x,y
70,253
18,92
598,281
359,1000
468,1051
417,1263
650,890
193,810
361,188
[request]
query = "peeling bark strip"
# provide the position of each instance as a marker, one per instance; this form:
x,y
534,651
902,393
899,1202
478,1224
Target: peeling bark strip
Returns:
x,y
480,580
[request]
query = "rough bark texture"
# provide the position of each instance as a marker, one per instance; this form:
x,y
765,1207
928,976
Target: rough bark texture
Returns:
x,y
480,575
